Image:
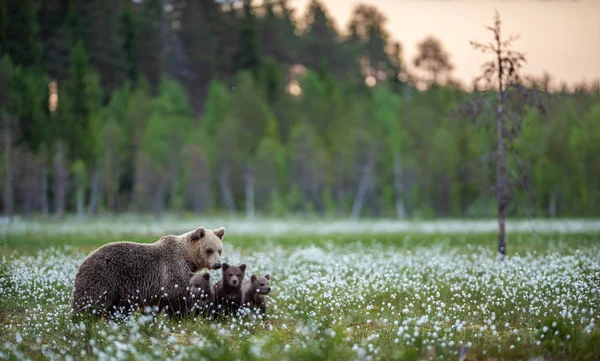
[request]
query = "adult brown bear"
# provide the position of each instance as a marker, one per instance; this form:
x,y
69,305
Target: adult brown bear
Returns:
x,y
124,276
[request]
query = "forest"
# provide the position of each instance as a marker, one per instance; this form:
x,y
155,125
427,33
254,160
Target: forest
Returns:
x,y
237,107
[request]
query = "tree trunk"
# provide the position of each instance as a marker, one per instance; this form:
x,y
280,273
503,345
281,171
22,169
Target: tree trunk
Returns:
x,y
28,183
110,181
249,181
9,196
552,205
173,183
80,199
44,182
226,192
95,192
363,187
400,211
159,199
501,191
60,180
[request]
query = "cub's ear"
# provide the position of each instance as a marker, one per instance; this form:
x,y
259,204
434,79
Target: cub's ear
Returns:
x,y
225,266
198,233
253,278
267,276
220,232
206,276
243,267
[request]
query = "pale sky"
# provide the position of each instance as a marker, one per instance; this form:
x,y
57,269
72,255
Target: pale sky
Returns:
x,y
561,37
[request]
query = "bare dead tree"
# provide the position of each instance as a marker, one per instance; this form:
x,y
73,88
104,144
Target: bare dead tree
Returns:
x,y
503,73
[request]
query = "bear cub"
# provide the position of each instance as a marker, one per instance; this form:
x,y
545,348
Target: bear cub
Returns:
x,y
228,292
201,294
255,295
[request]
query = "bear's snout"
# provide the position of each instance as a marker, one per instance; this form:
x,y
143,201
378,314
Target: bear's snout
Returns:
x,y
234,282
216,265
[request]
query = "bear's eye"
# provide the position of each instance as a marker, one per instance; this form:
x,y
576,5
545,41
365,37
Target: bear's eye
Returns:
x,y
210,251
220,252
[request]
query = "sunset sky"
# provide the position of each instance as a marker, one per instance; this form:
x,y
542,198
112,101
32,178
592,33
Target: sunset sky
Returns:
x,y
561,37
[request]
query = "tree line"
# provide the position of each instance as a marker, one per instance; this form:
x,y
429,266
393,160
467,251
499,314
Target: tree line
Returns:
x,y
206,106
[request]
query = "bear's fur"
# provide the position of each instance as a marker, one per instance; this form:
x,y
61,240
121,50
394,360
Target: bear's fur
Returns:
x,y
124,276
201,294
255,294
228,292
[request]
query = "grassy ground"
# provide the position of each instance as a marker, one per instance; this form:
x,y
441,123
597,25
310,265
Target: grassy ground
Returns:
x,y
386,296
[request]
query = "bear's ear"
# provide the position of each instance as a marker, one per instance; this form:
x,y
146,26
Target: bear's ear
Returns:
x,y
267,276
197,234
206,276
253,278
243,267
225,266
220,232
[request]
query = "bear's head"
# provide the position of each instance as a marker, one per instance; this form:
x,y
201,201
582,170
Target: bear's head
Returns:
x,y
260,285
233,276
201,283
206,247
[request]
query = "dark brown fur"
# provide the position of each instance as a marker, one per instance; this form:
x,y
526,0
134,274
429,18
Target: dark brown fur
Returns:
x,y
124,276
255,295
201,294
228,292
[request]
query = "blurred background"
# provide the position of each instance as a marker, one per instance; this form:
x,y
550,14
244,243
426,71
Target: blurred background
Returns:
x,y
276,108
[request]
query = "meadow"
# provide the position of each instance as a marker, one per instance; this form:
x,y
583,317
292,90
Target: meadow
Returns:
x,y
341,290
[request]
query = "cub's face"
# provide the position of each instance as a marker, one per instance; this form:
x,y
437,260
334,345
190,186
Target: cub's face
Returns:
x,y
201,283
233,276
260,285
207,247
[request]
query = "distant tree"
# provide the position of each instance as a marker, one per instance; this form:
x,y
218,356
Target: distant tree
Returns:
x,y
130,40
197,171
308,166
20,37
99,25
277,33
321,42
163,141
247,56
367,31
80,99
433,58
111,144
150,43
7,71
201,27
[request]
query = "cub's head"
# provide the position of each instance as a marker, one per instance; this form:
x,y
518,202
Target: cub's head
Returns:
x,y
233,276
260,285
205,247
200,283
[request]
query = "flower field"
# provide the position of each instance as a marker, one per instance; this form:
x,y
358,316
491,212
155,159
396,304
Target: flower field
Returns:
x,y
366,297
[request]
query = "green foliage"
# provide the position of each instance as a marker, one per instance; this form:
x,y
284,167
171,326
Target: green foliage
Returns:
x,y
79,100
228,106
247,56
218,103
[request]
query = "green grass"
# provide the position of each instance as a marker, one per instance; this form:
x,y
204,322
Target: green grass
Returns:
x,y
403,296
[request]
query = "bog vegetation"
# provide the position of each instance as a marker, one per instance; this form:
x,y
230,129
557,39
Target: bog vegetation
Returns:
x,y
358,296
206,106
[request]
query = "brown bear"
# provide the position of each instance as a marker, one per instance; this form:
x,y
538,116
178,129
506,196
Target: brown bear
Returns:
x,y
122,276
201,294
228,292
255,293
